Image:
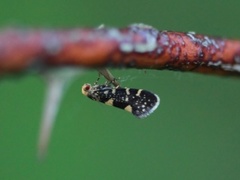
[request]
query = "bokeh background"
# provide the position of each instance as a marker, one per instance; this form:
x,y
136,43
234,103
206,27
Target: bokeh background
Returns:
x,y
194,134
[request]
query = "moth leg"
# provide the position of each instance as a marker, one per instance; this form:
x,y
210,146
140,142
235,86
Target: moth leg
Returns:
x,y
99,76
108,76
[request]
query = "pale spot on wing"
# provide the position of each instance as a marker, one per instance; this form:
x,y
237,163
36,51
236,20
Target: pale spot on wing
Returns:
x,y
114,91
127,91
105,92
128,108
109,102
139,92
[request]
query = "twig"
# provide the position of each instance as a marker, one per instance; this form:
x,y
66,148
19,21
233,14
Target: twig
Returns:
x,y
137,46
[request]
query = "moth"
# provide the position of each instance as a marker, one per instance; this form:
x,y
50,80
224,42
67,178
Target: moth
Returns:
x,y
139,102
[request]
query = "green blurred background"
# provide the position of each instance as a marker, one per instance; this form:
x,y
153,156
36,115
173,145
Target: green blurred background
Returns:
x,y
194,134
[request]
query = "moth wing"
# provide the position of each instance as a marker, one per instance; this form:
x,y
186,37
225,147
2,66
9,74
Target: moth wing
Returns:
x,y
140,103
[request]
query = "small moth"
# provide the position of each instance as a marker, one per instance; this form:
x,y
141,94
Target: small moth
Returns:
x,y
139,102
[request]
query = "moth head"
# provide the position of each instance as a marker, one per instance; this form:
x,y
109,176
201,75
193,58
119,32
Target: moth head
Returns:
x,y
86,88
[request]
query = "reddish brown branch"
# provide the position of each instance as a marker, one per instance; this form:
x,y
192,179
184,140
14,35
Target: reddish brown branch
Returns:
x,y
137,46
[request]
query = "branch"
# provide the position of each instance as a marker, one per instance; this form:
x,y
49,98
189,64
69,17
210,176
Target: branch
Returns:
x,y
136,46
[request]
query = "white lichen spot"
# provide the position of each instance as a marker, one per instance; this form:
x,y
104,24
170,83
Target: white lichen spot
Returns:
x,y
52,45
227,67
207,39
126,47
217,63
205,43
74,36
115,34
191,32
191,35
141,25
215,44
237,59
147,46
230,67
236,67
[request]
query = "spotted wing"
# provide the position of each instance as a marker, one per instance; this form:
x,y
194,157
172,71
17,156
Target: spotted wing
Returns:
x,y
139,102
